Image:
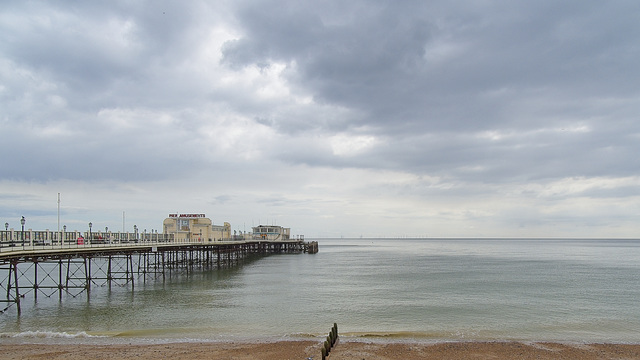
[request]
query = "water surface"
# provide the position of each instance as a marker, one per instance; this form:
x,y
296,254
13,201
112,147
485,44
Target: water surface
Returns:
x,y
416,289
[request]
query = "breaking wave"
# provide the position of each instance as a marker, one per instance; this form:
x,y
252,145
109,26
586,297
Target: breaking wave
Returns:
x,y
50,335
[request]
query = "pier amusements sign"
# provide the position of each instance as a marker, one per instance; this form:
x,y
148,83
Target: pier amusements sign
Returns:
x,y
187,216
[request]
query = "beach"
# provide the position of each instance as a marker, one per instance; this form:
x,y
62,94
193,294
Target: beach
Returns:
x,y
301,350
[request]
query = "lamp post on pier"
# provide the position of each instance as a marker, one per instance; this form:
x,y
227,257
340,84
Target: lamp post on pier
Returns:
x,y
6,232
22,221
64,233
90,235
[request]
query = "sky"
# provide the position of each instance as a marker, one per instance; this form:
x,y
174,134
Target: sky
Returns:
x,y
334,118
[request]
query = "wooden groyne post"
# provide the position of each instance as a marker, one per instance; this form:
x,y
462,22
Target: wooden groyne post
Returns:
x,y
330,342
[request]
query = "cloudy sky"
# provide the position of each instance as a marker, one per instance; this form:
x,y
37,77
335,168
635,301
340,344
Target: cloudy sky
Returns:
x,y
335,118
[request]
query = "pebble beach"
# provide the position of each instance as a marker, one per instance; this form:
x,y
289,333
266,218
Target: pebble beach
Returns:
x,y
305,350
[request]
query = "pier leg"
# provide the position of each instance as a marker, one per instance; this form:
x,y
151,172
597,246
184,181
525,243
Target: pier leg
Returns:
x,y
15,282
129,261
68,273
163,267
35,280
60,278
87,274
9,282
109,276
143,266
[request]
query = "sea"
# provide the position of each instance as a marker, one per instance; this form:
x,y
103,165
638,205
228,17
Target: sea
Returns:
x,y
414,290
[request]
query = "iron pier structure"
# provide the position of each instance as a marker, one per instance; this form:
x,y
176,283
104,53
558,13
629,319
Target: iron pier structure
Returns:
x,y
47,271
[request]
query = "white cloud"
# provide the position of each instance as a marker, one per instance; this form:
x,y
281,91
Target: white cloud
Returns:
x,y
349,145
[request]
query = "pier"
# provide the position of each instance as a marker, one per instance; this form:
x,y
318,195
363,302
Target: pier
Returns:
x,y
54,268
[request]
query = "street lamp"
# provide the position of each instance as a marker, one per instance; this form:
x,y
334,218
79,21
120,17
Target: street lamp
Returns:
x,y
6,229
22,221
64,233
135,233
90,235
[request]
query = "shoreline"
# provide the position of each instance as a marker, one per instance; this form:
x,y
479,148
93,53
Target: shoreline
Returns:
x,y
82,338
305,349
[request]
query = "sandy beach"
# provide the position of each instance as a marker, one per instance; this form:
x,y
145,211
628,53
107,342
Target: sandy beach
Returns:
x,y
301,350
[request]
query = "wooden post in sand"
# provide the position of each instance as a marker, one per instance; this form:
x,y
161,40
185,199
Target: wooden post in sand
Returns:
x,y
331,340
334,330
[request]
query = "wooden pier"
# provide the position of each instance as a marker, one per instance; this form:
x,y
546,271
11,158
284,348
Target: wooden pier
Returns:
x,y
47,271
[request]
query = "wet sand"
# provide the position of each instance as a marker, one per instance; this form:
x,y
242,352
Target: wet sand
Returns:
x,y
301,350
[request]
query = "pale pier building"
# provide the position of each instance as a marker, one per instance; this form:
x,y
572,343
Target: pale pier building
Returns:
x,y
271,232
195,228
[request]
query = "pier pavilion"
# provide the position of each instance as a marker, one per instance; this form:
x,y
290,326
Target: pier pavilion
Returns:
x,y
271,232
195,227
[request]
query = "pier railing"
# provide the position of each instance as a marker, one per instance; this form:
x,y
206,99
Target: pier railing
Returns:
x,y
11,239
17,240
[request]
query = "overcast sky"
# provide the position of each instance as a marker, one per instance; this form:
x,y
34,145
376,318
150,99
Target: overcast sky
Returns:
x,y
335,118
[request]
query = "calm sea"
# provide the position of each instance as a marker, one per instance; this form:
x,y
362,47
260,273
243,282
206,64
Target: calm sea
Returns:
x,y
374,289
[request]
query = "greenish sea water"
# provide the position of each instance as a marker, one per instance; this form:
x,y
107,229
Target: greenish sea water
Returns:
x,y
376,289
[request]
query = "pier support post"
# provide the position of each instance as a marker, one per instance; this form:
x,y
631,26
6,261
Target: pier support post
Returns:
x,y
15,283
60,287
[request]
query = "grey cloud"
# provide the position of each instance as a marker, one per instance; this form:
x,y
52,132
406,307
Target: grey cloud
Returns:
x,y
87,58
377,62
101,56
512,66
222,199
